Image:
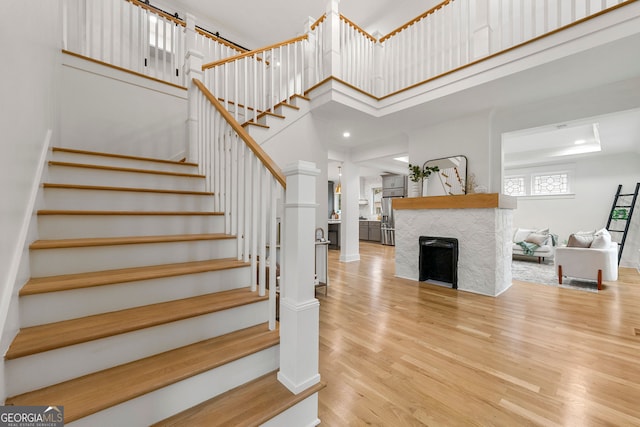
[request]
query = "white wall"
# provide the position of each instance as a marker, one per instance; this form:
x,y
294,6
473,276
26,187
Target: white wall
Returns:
x,y
468,136
104,109
29,42
302,140
595,182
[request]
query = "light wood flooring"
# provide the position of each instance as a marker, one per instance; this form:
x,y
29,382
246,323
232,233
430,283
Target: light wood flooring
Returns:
x,y
395,352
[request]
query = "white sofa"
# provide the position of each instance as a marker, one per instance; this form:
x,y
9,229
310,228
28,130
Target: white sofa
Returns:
x,y
597,261
539,243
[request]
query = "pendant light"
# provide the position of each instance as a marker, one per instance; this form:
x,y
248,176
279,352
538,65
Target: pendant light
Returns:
x,y
339,186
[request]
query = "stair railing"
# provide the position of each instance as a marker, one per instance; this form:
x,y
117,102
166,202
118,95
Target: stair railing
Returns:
x,y
315,64
247,185
256,81
132,35
357,50
456,33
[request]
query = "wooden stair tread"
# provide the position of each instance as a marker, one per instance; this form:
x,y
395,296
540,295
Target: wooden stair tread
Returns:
x,y
131,189
285,104
122,169
297,95
66,282
252,123
127,240
121,156
37,339
94,392
269,113
251,404
81,212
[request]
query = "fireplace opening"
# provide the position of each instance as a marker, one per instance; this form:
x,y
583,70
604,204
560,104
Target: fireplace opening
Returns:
x,y
439,260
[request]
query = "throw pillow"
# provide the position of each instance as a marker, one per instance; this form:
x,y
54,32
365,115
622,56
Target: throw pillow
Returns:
x,y
521,234
588,233
537,238
602,239
580,240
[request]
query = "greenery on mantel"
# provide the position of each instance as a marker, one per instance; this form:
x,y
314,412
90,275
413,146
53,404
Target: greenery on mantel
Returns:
x,y
417,174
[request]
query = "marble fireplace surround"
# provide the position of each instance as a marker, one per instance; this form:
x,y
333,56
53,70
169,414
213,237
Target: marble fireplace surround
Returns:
x,y
482,223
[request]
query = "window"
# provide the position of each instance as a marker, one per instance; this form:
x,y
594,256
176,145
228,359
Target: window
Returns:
x,y
514,186
157,37
557,183
538,181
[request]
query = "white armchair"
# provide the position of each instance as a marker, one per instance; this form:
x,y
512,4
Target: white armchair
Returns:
x,y
587,263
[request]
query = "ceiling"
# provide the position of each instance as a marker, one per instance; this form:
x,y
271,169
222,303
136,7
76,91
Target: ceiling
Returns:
x,y
254,23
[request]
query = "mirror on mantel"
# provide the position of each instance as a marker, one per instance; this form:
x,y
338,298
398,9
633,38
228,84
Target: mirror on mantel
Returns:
x,y
449,180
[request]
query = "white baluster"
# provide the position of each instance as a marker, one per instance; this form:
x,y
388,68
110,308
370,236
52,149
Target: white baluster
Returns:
x,y
273,251
255,194
262,230
248,174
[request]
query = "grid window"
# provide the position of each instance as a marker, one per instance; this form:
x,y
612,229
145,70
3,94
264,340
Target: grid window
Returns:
x,y
157,37
556,183
514,186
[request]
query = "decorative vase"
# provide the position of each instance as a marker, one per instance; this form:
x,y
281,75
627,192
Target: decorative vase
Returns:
x,y
414,189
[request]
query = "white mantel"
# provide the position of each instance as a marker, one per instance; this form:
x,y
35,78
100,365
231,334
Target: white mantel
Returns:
x,y
482,223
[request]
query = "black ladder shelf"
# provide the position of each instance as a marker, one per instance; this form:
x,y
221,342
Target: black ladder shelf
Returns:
x,y
622,212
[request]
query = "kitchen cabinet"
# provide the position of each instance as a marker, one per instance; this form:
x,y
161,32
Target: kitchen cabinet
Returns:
x,y
374,231
333,234
364,230
370,230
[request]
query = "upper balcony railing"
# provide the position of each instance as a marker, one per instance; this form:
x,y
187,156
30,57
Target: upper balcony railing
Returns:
x,y
452,35
456,33
135,36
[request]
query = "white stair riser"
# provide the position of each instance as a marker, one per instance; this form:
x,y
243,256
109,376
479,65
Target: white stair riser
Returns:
x,y
271,121
54,262
111,178
257,133
35,371
76,199
303,414
301,103
61,156
161,404
84,226
57,306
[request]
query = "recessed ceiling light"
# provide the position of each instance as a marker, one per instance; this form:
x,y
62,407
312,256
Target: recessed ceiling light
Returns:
x,y
404,159
346,134
579,141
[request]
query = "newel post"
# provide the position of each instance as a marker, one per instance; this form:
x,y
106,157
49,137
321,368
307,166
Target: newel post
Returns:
x,y
299,309
192,70
331,46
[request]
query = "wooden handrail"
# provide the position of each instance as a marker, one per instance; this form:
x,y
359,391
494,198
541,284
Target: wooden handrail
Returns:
x,y
357,28
414,20
251,143
219,40
318,22
158,12
253,52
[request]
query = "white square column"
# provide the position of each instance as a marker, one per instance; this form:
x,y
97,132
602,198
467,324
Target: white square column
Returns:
x,y
299,309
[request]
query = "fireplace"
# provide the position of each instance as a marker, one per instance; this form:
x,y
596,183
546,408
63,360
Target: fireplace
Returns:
x,y
438,260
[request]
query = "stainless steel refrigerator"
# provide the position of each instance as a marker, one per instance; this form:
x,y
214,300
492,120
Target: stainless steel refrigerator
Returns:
x,y
387,225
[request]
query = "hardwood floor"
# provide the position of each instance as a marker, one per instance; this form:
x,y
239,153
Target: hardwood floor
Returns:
x,y
395,352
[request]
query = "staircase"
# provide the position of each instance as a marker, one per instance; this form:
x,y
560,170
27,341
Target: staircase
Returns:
x,y
270,124
137,308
